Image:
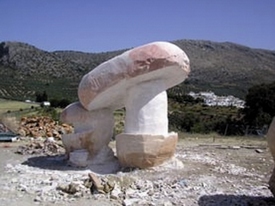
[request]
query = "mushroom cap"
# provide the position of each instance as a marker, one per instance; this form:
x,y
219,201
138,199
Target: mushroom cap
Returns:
x,y
106,86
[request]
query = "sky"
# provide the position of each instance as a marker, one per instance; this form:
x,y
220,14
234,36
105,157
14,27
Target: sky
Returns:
x,y
107,25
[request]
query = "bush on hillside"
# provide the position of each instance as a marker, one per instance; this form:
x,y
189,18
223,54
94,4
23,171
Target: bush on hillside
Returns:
x,y
59,103
260,105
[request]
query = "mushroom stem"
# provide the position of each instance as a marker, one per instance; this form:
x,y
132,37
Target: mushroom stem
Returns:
x,y
146,109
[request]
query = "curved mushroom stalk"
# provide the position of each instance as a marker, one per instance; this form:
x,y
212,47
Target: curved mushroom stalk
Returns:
x,y
271,144
93,129
146,109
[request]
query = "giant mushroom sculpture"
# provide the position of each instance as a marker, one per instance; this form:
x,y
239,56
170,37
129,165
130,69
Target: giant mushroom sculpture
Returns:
x,y
137,80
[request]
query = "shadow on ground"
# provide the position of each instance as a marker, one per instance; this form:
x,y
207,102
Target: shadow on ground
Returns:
x,y
236,200
59,162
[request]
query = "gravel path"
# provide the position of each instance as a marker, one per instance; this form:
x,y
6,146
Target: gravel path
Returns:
x,y
220,173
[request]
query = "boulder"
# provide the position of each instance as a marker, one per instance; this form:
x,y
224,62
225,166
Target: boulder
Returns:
x,y
271,138
271,144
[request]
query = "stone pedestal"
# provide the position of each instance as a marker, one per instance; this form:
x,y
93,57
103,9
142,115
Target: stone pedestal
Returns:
x,y
145,150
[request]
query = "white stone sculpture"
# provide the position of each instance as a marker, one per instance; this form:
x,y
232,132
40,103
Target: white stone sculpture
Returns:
x,y
92,129
137,80
271,144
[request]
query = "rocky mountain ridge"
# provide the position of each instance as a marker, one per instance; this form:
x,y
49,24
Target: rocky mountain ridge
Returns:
x,y
224,68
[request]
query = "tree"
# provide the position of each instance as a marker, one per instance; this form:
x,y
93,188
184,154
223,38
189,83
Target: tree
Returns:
x,y
260,105
62,103
41,97
44,96
3,50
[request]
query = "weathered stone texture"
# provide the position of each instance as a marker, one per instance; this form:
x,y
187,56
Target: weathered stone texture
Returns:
x,y
136,80
145,151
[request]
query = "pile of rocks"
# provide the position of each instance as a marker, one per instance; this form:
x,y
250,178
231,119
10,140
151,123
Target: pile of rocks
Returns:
x,y
48,147
42,126
94,184
119,189
125,190
138,187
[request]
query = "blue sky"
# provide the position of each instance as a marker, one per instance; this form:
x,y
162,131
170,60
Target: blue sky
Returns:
x,y
105,25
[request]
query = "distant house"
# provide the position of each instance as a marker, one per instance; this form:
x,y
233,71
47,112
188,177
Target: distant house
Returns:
x,y
46,104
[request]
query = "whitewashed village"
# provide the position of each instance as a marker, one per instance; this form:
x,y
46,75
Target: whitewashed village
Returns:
x,y
211,99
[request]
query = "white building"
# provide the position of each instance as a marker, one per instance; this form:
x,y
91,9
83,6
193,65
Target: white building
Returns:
x,y
211,99
47,104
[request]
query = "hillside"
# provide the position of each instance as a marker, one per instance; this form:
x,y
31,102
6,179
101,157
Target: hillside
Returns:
x,y
224,68
227,68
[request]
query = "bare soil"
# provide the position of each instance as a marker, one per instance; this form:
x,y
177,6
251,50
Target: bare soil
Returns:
x,y
217,171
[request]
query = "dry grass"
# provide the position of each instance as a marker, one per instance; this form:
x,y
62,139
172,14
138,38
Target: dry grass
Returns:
x,y
216,139
11,112
9,105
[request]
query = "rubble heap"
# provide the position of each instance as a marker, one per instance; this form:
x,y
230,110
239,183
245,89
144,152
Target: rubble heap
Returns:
x,y
42,126
48,147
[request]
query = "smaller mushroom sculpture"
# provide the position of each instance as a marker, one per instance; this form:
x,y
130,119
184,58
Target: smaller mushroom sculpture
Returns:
x,y
136,80
271,144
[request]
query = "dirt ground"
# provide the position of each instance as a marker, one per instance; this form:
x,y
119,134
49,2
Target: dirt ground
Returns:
x,y
220,171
